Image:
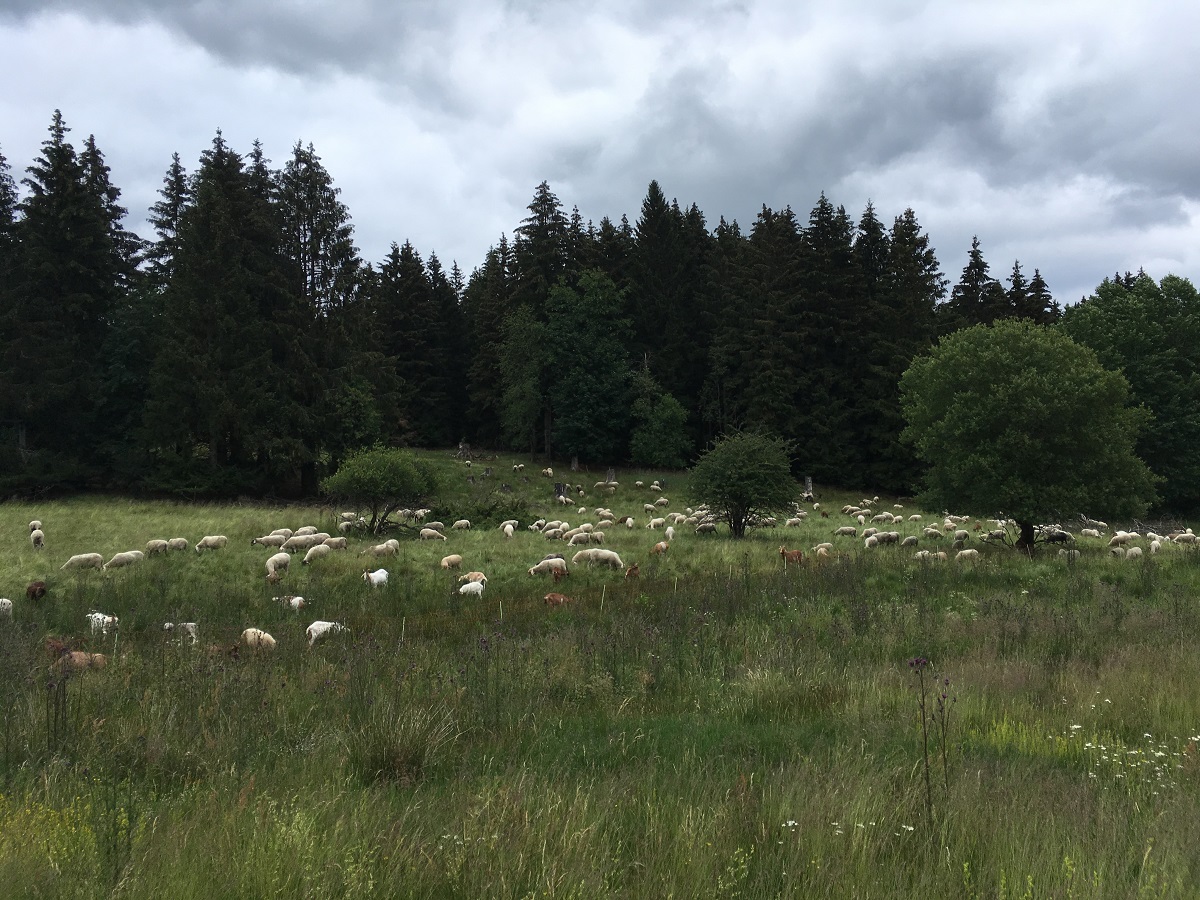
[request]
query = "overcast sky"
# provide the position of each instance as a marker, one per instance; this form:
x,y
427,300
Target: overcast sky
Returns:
x,y
1063,134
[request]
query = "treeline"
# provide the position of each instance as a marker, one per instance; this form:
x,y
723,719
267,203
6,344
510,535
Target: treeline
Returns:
x,y
247,348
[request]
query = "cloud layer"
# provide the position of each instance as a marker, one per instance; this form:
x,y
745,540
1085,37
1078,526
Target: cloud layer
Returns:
x,y
1059,133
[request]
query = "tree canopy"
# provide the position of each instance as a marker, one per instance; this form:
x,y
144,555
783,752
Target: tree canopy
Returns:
x,y
382,481
744,476
1017,420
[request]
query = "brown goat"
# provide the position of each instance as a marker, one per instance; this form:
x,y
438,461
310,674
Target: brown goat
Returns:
x,y
791,556
556,599
36,590
633,571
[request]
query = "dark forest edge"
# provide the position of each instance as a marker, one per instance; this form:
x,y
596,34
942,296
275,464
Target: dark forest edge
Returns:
x,y
247,349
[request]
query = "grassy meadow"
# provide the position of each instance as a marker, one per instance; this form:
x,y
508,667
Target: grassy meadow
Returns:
x,y
722,726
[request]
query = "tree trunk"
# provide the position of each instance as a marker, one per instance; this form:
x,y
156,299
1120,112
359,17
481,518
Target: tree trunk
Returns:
x,y
1025,541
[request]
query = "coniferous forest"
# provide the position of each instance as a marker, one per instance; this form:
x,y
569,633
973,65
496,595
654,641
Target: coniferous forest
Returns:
x,y
245,347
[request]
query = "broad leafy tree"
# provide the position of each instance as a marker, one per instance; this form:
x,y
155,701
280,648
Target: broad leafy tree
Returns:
x,y
1151,332
743,476
381,481
1017,420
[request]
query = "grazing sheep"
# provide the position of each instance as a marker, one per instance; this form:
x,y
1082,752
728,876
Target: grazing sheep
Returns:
x,y
35,590
305,530
319,629
128,558
84,561
1069,555
1155,546
316,552
554,564
6,607
553,599
453,561
909,541
435,526
669,534
547,472
257,639
597,537
177,544
300,542
1133,553
286,532
211,542
1118,552
846,531
962,535
514,523
472,576
345,527
462,525
870,541
377,578
706,528
185,629
660,548
156,546
385,549
1090,532
37,538
967,555
431,534
35,525
292,602
1121,538
335,543
1187,538
101,622
607,557
472,588
277,565
269,540
649,508
656,523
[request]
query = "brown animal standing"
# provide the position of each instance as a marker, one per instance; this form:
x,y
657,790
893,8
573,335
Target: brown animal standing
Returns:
x,y
36,590
556,599
78,661
791,556
660,547
633,571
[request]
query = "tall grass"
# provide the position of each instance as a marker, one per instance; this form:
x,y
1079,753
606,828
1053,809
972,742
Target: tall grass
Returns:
x,y
722,726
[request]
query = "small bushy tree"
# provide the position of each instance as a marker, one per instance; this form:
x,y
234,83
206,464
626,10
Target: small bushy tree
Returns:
x,y
382,481
743,476
1016,419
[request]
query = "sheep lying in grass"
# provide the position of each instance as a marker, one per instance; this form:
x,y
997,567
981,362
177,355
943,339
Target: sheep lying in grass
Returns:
x,y
101,622
84,561
79,661
257,639
211,542
553,599
319,629
378,578
185,629
128,558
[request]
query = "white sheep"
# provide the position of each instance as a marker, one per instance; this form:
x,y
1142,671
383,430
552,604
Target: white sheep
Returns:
x,y
300,542
508,530
846,531
316,552
185,629
1133,553
431,534
257,639
156,546
453,561
101,623
292,602
669,534
1155,546
128,558
1090,532
656,523
37,538
277,565
378,578
6,607
211,542
579,537
319,629
286,532
608,558
335,543
385,549
177,544
473,588
84,561
35,525
706,528
970,555
462,525
472,576
269,540
305,530
554,564
870,541
345,527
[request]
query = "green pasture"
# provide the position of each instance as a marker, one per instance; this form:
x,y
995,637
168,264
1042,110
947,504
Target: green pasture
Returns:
x,y
722,726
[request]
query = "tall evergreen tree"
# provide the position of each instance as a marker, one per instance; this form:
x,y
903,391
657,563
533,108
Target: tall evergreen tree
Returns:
x,y
166,215
977,299
487,302
1042,306
541,249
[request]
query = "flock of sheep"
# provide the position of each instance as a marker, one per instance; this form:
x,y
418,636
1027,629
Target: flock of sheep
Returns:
x,y
589,537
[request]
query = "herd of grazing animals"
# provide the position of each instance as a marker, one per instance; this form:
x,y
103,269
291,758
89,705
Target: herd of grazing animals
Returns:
x,y
865,523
